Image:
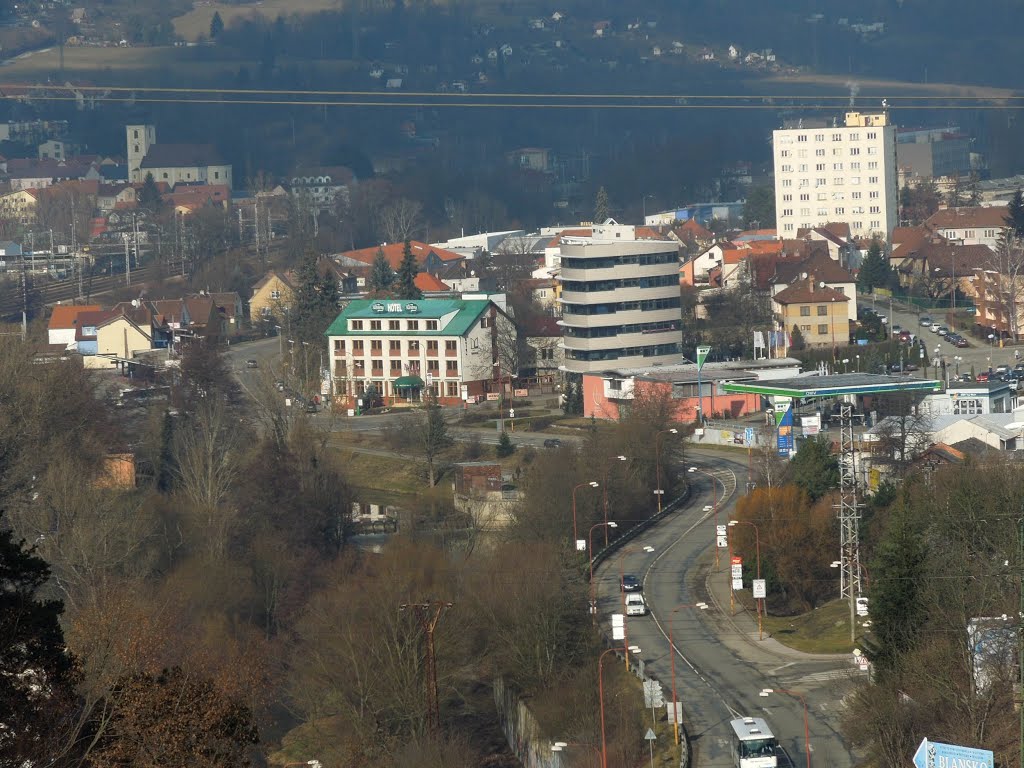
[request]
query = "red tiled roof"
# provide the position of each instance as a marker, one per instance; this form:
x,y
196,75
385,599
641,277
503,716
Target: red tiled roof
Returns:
x,y
66,315
807,292
969,218
429,283
394,251
692,229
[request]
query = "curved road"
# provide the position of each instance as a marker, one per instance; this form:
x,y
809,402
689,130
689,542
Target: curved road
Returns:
x,y
719,670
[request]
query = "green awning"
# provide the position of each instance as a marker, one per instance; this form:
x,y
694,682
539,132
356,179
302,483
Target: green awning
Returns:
x,y
408,382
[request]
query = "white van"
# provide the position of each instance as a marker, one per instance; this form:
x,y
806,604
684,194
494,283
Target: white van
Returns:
x,y
635,605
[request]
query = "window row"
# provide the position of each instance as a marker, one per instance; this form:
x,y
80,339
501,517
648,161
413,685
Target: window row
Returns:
x,y
395,367
412,346
392,325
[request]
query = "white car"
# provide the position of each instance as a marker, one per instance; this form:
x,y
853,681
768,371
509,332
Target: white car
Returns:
x,y
635,605
934,327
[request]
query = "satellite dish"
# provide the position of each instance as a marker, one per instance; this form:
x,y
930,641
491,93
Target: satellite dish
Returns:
x,y
135,303
803,275
821,284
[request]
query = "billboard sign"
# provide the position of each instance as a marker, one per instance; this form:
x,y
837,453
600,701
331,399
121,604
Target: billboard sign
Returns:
x,y
811,425
934,754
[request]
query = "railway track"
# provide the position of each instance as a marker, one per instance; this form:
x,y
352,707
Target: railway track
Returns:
x,y
11,299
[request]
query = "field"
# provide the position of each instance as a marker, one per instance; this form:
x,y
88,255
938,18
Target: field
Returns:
x,y
196,23
810,83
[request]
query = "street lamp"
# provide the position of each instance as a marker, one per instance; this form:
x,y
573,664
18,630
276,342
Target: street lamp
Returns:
x,y
600,695
714,491
575,535
957,359
604,488
657,461
846,363
757,546
646,198
672,649
765,693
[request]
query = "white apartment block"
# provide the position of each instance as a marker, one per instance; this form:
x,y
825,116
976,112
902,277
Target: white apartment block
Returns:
x,y
620,300
844,173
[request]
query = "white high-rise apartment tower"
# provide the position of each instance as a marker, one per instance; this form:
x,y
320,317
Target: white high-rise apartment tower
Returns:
x,y
841,173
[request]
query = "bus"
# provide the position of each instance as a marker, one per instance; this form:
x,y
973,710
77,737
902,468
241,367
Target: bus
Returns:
x,y
753,743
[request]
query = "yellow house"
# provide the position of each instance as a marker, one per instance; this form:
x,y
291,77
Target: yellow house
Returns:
x,y
820,313
272,296
122,337
19,206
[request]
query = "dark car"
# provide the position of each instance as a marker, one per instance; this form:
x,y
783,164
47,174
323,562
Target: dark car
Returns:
x,y
631,583
310,407
961,342
552,442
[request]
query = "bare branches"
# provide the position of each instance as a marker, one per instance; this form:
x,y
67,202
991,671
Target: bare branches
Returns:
x,y
400,220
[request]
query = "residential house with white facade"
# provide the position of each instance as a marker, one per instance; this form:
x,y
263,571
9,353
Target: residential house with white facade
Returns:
x,y
402,348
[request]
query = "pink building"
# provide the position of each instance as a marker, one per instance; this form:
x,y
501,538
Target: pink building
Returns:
x,y
608,395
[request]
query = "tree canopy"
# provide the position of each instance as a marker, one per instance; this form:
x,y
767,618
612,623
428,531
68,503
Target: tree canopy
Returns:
x,y
875,271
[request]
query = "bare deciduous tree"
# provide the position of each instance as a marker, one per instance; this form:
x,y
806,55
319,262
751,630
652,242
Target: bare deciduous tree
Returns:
x,y
400,220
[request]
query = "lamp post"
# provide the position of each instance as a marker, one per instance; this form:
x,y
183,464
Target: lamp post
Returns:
x,y
501,395
957,360
765,693
714,491
593,595
559,746
575,535
757,546
672,650
646,198
600,696
657,461
604,488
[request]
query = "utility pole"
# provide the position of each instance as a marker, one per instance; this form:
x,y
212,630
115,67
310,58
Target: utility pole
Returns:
x,y
256,228
135,226
241,238
127,266
427,615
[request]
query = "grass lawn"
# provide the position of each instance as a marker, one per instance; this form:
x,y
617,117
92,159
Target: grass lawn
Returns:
x,y
388,475
196,23
825,630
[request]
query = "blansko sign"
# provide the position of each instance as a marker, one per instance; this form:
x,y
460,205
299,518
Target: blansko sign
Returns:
x,y
933,754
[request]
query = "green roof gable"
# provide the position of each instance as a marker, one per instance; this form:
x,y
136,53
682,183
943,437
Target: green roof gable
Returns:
x,y
466,313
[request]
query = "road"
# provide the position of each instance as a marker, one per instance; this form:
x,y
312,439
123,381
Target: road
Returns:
x,y
719,670
980,355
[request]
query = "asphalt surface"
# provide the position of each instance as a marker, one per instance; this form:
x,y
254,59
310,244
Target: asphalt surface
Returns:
x,y
720,669
980,354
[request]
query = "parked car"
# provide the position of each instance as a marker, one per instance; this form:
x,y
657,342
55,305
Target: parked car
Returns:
x,y
943,331
926,321
905,336
896,329
983,376
310,407
552,442
1001,369
635,605
934,327
964,377
962,342
631,583
251,363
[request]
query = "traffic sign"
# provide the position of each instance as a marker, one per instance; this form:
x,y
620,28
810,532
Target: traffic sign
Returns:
x,y
511,413
760,591
748,436
651,735
933,754
652,694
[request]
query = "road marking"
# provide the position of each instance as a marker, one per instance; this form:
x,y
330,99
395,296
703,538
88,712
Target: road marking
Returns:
x,y
776,670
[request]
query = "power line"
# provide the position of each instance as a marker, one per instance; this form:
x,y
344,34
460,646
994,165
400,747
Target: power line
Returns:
x,y
443,104
845,96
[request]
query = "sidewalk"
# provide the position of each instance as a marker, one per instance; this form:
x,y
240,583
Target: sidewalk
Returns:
x,y
744,623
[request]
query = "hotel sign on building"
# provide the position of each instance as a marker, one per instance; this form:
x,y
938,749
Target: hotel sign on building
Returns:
x,y
448,347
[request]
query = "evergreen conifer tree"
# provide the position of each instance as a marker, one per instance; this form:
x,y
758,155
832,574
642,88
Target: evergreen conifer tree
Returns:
x,y
382,277
601,206
405,287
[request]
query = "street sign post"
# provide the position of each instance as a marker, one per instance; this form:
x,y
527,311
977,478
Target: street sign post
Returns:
x,y
702,356
933,754
760,592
